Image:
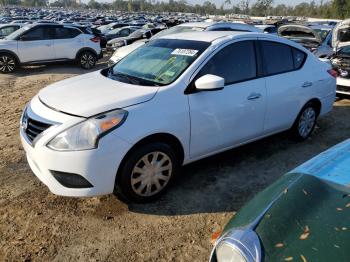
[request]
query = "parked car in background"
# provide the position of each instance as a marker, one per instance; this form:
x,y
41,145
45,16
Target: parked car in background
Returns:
x,y
301,34
120,32
303,216
340,60
182,28
139,34
8,29
82,136
45,43
268,29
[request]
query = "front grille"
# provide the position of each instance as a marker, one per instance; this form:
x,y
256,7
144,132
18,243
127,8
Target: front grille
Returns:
x,y
34,128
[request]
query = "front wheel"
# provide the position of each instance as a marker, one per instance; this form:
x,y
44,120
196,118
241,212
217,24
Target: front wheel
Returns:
x,y
305,123
147,172
7,63
87,60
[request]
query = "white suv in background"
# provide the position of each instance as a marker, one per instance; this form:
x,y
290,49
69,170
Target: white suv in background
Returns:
x,y
44,43
173,101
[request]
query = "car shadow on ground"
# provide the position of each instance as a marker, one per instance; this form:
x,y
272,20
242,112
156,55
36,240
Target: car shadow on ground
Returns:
x,y
225,182
58,68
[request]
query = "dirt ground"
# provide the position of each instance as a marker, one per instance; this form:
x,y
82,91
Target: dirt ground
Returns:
x,y
36,225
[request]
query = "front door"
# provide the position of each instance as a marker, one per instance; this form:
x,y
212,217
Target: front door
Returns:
x,y
234,115
36,45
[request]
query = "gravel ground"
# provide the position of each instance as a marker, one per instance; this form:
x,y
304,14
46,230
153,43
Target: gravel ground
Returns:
x,y
36,225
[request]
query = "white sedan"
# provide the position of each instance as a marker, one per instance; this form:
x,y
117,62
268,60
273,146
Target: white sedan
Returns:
x,y
173,101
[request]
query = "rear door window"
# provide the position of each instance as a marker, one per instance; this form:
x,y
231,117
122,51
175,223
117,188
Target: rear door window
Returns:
x,y
278,57
235,63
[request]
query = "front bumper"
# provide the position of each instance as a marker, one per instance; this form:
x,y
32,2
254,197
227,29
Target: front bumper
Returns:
x,y
343,86
98,166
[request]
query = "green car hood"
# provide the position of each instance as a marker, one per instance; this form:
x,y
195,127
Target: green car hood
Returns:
x,y
305,215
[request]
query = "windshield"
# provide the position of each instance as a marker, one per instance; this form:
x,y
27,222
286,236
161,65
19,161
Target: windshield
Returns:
x,y
322,33
138,33
177,30
160,62
17,33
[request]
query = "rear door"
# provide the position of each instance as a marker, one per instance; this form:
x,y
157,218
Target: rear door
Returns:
x,y
234,115
67,42
36,45
287,85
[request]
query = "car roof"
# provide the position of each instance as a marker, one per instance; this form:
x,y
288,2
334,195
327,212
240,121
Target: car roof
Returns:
x,y
208,36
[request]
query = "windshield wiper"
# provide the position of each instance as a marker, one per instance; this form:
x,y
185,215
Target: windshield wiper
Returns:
x,y
133,79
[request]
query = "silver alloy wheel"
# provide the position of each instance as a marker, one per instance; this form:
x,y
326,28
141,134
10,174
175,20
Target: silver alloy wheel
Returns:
x,y
151,174
87,60
307,122
7,64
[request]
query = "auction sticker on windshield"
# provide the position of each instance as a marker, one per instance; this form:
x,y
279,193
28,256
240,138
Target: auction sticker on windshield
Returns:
x,y
184,52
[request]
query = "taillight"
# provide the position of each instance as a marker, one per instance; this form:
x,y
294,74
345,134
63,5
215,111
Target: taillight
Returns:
x,y
95,39
333,73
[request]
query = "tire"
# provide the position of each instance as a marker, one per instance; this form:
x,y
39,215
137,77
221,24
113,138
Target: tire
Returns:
x,y
8,63
305,123
87,60
137,183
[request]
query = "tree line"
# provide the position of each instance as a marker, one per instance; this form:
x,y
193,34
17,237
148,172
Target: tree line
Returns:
x,y
323,9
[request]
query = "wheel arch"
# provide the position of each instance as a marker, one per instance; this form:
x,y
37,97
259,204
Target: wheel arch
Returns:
x,y
9,52
167,138
85,49
316,102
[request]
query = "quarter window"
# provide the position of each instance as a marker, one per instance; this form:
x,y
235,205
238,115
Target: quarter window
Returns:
x,y
278,57
235,63
66,33
299,58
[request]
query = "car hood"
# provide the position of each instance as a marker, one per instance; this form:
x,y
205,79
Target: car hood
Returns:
x,y
337,40
299,33
93,93
306,212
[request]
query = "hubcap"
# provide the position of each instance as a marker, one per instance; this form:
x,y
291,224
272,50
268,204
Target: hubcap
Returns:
x,y
7,64
151,174
307,122
87,60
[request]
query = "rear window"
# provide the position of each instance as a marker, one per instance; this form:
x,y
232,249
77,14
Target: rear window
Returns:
x,y
278,57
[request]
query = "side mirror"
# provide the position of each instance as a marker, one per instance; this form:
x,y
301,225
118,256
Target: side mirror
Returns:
x,y
210,83
24,38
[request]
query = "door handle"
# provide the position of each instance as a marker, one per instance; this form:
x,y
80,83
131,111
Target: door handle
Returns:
x,y
307,84
254,96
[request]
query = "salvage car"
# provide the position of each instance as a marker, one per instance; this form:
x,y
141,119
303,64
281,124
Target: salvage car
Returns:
x,y
301,34
139,34
46,43
131,127
341,58
303,216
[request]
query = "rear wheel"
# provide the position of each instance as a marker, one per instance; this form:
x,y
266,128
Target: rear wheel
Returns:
x,y
306,122
87,59
7,63
147,172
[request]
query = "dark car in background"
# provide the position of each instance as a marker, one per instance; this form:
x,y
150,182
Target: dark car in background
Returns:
x,y
303,216
114,44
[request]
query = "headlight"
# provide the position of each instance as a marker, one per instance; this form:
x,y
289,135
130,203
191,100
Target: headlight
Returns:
x,y
239,246
85,135
118,44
